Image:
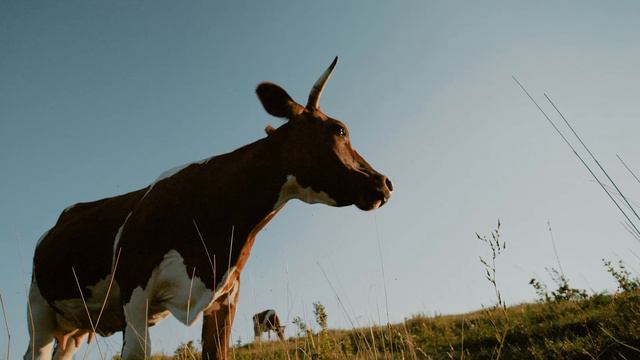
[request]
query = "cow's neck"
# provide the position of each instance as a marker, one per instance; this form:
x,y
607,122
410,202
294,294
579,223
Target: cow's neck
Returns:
x,y
251,178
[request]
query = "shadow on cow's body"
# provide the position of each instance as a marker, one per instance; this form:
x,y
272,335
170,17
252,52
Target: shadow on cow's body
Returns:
x,y
178,246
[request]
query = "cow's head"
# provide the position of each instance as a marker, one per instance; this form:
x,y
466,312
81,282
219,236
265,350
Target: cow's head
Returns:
x,y
321,165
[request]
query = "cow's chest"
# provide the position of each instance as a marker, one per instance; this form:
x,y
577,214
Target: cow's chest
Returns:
x,y
171,288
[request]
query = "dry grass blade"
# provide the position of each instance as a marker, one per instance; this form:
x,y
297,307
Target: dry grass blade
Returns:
x,y
373,341
462,339
146,326
135,332
230,249
501,322
553,244
113,275
86,308
384,280
409,341
213,268
32,324
193,276
212,262
362,336
618,341
217,339
6,324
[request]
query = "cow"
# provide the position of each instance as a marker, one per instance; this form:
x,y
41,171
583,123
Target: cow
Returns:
x,y
267,321
178,246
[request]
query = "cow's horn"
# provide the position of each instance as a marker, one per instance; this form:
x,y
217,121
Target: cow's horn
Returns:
x,y
316,90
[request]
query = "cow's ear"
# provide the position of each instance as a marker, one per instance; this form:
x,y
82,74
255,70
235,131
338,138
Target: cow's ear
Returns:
x,y
276,101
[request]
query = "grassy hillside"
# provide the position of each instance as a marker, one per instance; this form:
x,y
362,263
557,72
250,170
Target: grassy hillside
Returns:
x,y
597,327
565,323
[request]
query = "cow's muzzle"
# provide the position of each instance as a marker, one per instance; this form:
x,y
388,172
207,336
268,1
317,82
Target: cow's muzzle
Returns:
x,y
376,194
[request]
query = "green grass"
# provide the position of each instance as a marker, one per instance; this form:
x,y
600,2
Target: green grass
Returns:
x,y
602,326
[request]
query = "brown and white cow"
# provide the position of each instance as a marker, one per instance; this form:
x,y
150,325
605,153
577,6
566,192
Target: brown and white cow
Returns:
x,y
267,321
178,245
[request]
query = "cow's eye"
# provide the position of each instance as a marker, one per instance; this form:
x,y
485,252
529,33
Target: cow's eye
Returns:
x,y
340,131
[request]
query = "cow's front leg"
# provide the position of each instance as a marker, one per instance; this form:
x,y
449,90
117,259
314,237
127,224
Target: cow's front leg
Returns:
x,y
136,345
216,325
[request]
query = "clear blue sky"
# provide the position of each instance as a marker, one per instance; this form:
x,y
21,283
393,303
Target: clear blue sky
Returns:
x,y
98,98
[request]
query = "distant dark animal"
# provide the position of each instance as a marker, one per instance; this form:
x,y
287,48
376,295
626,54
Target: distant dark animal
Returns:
x,y
267,321
178,245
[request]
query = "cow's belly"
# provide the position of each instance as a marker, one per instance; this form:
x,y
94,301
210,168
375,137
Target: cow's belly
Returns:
x,y
170,290
106,315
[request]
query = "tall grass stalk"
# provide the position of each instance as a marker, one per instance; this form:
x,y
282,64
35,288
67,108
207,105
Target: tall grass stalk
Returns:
x,y
384,282
382,337
462,339
104,302
497,246
188,348
592,156
213,267
146,326
86,308
141,341
373,343
617,196
6,324
358,331
193,276
113,275
31,323
553,244
575,152
409,340
631,230
230,249
628,169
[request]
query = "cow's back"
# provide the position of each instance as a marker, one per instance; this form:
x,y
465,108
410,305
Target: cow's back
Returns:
x,y
82,240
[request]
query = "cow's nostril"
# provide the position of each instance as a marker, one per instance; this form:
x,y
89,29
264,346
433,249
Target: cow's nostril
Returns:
x,y
389,184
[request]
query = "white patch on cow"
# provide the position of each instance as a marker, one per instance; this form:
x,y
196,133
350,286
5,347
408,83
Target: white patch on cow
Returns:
x,y
171,288
172,285
169,173
74,313
232,293
117,241
136,337
43,318
230,285
293,190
